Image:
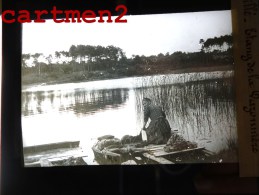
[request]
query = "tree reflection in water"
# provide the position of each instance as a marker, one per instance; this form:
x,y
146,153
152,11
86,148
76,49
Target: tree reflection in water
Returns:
x,y
202,110
95,101
81,102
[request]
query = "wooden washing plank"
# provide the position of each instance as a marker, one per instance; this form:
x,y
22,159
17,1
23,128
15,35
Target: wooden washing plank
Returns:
x,y
154,146
163,153
160,160
154,149
210,153
51,146
65,156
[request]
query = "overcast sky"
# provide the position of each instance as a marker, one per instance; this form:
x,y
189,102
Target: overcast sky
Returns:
x,y
141,35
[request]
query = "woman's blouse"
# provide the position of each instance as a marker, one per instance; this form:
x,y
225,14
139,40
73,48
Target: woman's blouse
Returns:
x,y
153,112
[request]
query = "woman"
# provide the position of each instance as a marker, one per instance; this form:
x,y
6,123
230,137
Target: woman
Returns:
x,y
158,130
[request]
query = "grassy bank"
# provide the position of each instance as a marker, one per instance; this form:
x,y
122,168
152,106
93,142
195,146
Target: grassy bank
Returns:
x,y
229,154
82,76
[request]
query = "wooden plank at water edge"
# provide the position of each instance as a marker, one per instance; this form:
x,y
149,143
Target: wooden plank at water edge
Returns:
x,y
158,147
51,146
154,146
163,153
160,160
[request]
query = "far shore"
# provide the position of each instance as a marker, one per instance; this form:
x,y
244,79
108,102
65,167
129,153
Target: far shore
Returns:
x,y
67,78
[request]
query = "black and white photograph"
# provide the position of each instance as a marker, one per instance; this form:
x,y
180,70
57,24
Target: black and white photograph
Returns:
x,y
158,89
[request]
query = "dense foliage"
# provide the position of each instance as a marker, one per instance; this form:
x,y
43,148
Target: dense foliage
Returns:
x,y
88,62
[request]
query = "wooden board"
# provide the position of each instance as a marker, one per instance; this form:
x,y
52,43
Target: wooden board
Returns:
x,y
51,146
209,153
159,160
154,146
163,153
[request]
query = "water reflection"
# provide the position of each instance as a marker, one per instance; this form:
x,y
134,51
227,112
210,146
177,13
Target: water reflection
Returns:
x,y
81,102
200,107
96,101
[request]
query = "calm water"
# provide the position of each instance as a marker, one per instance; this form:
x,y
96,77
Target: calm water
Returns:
x,y
199,105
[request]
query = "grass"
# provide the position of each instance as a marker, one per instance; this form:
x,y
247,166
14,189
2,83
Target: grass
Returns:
x,y
229,154
82,76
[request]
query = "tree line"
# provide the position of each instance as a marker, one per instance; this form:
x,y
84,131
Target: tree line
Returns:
x,y
217,43
88,61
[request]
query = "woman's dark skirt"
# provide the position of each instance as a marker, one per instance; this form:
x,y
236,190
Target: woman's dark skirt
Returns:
x,y
158,131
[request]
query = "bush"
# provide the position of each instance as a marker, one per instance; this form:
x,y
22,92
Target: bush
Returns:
x,y
78,76
67,69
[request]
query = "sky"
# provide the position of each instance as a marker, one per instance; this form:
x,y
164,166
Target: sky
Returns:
x,y
141,35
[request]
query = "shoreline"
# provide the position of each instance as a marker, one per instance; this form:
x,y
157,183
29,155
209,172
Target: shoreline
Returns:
x,y
110,77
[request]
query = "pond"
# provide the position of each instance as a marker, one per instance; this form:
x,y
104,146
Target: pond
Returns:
x,y
199,106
